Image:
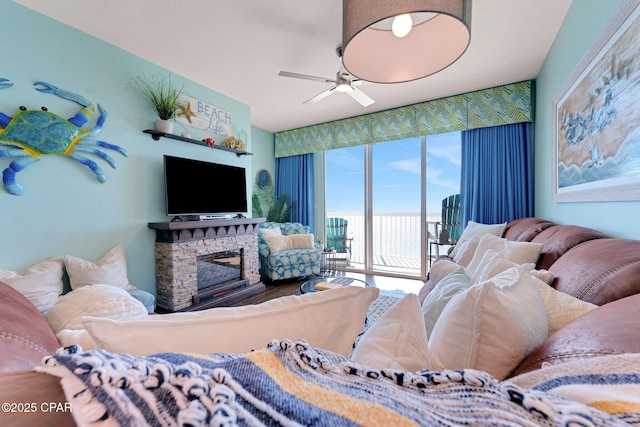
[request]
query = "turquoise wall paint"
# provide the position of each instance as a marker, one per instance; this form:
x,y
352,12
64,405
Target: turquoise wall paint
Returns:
x,y
263,148
64,210
585,20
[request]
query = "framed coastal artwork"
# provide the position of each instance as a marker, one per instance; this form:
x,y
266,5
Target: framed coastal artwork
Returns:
x,y
596,117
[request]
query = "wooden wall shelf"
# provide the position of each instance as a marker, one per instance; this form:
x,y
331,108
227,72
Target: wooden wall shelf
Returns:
x,y
156,135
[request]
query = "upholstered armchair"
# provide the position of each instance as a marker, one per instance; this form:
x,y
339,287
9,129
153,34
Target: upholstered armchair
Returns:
x,y
287,250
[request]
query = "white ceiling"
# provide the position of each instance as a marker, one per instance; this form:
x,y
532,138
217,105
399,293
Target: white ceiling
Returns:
x,y
237,48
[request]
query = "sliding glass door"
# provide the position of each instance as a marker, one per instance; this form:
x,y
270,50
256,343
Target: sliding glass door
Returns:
x,y
396,208
388,192
345,196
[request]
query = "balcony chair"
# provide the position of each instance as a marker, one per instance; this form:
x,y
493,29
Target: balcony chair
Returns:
x,y
445,232
282,258
339,239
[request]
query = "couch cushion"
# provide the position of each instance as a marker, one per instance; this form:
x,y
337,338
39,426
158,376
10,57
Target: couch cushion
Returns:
x,y
294,257
613,328
599,271
25,336
558,239
525,229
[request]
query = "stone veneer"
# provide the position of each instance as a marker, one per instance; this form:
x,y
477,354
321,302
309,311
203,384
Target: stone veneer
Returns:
x,y
179,244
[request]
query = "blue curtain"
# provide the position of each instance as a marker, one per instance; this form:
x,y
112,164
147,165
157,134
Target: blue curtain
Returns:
x,y
497,174
294,177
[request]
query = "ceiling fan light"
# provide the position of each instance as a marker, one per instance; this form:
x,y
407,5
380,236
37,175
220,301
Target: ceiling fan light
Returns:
x,y
372,52
401,25
344,87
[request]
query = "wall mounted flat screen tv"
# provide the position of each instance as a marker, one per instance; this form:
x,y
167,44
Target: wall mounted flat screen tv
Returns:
x,y
196,187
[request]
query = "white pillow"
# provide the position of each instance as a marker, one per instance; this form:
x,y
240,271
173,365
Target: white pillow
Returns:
x,y
464,254
111,269
329,319
41,283
477,229
492,326
561,308
432,306
396,340
95,300
441,269
518,252
492,264
271,232
81,337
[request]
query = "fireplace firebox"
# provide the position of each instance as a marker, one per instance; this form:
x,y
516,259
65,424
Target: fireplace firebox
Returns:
x,y
203,264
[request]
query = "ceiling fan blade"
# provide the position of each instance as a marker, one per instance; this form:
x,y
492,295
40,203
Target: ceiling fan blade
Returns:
x,y
320,96
361,97
305,77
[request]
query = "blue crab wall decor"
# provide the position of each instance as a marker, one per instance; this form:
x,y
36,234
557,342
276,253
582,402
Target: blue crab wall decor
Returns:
x,y
31,134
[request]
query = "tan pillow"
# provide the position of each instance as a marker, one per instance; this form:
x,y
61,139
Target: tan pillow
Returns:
x,y
111,269
271,232
278,243
561,308
329,319
41,283
301,241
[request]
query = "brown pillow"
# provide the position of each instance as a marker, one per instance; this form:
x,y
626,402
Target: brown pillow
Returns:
x,y
25,335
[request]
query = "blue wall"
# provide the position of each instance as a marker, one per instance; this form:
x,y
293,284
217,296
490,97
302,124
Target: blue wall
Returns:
x,y
64,210
585,20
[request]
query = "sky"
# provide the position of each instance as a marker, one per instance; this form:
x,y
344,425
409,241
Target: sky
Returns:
x,y
396,175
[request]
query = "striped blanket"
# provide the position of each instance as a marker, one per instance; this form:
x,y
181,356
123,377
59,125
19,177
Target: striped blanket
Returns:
x,y
292,384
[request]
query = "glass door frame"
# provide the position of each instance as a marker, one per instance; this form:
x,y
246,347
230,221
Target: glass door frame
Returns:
x,y
368,214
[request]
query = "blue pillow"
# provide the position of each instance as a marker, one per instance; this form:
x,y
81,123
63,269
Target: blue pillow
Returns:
x,y
147,299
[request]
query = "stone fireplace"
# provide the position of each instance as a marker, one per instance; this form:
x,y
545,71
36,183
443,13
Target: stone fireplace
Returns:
x,y
203,264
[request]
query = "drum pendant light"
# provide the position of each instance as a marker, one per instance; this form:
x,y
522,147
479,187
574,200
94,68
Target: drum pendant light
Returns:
x,y
402,40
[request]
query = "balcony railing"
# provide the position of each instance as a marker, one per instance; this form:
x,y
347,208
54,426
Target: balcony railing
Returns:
x,y
396,239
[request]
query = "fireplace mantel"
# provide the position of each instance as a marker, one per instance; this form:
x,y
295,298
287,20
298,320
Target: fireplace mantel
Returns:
x,y
184,231
178,246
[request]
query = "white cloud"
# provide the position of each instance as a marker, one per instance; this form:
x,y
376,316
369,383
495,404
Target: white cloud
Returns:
x,y
436,176
407,165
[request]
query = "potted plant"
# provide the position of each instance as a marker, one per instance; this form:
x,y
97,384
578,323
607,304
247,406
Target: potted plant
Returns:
x,y
161,93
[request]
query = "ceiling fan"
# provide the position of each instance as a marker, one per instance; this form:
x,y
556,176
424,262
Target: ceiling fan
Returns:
x,y
344,82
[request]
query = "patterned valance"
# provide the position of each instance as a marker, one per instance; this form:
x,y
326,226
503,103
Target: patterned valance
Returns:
x,y
512,103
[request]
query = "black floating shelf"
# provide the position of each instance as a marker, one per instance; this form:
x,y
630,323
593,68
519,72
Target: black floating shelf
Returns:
x,y
157,135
